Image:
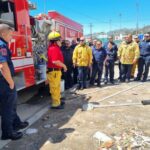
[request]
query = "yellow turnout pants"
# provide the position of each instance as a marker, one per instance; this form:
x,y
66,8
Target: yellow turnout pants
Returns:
x,y
54,78
134,68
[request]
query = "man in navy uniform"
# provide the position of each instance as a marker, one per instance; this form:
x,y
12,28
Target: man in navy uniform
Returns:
x,y
10,121
99,55
110,62
144,59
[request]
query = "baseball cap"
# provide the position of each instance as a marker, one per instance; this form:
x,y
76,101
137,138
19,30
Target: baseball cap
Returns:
x,y
5,27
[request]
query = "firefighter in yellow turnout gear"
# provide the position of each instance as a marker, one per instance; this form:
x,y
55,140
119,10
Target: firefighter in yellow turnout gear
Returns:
x,y
135,66
54,66
128,55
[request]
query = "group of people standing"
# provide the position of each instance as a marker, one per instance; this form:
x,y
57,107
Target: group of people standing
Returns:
x,y
95,58
79,61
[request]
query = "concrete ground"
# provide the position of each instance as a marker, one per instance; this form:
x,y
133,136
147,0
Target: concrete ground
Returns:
x,y
73,129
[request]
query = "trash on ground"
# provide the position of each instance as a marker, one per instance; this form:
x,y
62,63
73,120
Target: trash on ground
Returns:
x,y
31,131
55,125
131,139
45,118
47,126
112,102
103,139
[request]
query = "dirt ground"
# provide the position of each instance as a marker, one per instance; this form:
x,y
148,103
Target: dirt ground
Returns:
x,y
73,129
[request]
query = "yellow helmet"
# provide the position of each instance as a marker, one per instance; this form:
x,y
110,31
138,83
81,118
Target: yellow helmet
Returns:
x,y
54,35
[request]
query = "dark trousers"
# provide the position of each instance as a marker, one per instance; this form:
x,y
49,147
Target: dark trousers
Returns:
x,y
96,68
119,66
143,67
126,71
75,75
82,76
109,71
8,100
68,78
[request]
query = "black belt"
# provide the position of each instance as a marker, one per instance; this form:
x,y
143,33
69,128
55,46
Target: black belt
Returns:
x,y
53,69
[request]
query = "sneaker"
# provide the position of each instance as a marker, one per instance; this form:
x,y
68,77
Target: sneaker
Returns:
x,y
58,107
112,82
105,82
22,125
136,79
99,85
82,88
144,80
12,136
63,103
128,81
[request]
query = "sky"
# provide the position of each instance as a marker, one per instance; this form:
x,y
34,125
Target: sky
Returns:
x,y
104,15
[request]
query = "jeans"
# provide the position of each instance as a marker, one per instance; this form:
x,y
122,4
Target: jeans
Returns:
x,y
82,76
144,62
96,68
126,71
109,70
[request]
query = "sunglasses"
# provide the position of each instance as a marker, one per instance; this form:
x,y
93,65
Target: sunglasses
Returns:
x,y
82,40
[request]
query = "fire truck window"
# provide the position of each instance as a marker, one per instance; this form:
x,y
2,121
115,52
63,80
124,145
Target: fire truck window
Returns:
x,y
7,13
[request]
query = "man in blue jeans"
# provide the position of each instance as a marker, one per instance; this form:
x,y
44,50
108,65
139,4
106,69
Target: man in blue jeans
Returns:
x,y
10,122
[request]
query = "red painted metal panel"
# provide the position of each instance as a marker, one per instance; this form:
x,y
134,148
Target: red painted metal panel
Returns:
x,y
21,41
29,76
62,31
71,33
56,16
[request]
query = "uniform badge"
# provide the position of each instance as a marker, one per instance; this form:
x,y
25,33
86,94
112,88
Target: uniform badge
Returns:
x,y
3,51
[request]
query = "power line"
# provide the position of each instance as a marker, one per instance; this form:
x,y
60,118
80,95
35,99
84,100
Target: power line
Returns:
x,y
137,23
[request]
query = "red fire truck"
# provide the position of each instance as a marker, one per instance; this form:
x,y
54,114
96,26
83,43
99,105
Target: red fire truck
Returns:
x,y
68,28
29,42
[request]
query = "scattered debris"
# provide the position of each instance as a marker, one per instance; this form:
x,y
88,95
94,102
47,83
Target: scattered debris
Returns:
x,y
128,140
131,139
55,125
47,126
31,131
45,118
112,102
103,139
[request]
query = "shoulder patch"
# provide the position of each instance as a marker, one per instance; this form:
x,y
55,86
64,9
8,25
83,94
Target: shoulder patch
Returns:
x,y
3,51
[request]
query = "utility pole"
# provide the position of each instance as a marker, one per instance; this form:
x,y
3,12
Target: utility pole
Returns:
x,y
44,6
137,21
91,26
120,15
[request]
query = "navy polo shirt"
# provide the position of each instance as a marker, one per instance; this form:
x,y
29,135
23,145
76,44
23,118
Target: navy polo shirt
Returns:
x,y
99,55
111,54
5,55
145,48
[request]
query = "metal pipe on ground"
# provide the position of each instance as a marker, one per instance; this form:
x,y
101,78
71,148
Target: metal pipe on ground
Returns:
x,y
90,106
